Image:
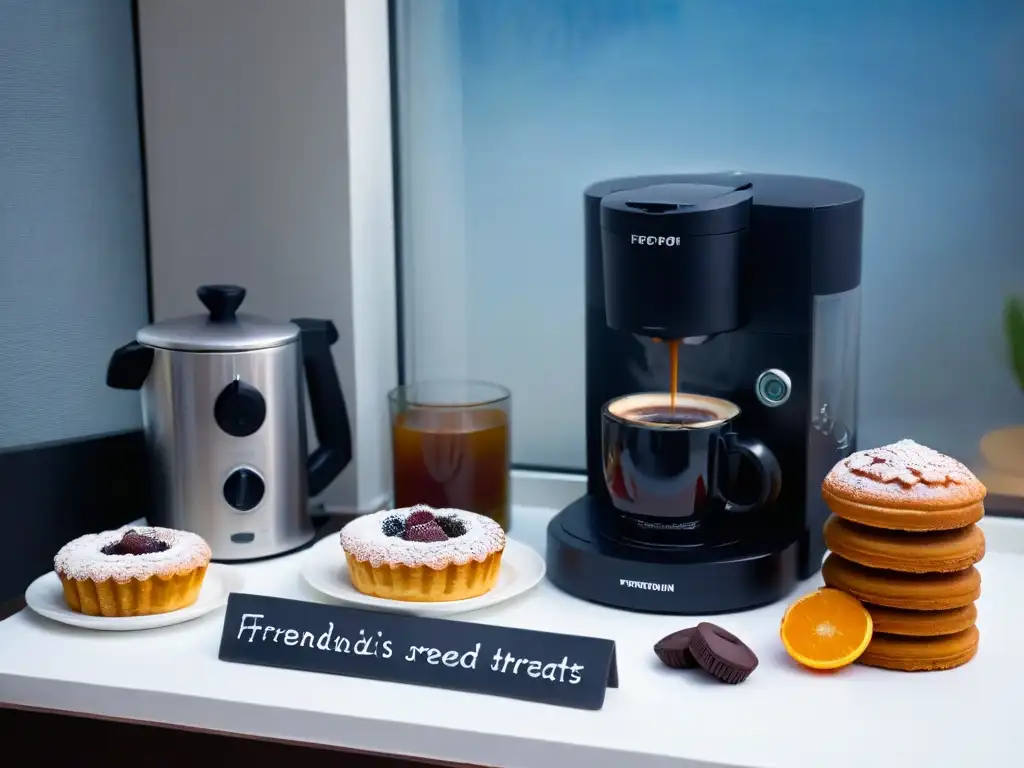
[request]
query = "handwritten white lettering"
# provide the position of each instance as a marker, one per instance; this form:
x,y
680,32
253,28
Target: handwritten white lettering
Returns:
x,y
506,662
436,656
323,642
372,643
249,624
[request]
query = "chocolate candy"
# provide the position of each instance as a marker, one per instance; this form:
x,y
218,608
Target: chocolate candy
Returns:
x,y
674,649
721,654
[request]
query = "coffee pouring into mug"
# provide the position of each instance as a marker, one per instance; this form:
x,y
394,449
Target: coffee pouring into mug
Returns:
x,y
666,460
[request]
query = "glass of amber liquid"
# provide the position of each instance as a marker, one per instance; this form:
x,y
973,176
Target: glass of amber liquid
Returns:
x,y
451,446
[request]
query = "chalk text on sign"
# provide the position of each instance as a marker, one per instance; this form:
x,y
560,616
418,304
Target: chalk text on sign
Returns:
x,y
510,664
372,643
448,658
365,644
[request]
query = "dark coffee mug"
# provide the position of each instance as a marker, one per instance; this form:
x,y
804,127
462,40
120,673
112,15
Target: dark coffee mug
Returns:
x,y
665,467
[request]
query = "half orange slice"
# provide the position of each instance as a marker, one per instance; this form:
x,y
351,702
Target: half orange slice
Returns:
x,y
827,629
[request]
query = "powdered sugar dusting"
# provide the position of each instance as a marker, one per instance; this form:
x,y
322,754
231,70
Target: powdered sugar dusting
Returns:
x,y
83,559
908,463
366,541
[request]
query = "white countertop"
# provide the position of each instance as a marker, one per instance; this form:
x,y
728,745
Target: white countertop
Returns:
x,y
782,716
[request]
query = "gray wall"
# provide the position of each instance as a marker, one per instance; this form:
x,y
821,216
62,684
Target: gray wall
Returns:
x,y
72,255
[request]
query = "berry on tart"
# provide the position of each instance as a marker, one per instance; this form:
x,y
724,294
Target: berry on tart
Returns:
x,y
423,554
452,526
425,532
393,526
423,525
135,543
419,516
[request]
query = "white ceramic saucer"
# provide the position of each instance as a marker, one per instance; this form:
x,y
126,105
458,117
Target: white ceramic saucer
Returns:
x,y
46,597
325,570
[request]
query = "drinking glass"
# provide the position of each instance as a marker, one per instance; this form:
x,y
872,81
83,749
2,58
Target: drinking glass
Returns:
x,y
451,446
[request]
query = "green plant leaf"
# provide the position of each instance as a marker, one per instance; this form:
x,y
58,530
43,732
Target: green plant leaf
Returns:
x,y
1013,318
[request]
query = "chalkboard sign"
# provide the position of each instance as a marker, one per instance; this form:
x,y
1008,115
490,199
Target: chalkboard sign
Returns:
x,y
565,670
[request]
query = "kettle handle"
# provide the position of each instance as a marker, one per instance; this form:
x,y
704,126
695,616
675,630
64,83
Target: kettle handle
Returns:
x,y
129,366
327,403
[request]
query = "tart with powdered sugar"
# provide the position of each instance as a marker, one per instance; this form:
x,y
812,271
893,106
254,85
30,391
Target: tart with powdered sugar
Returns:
x,y
421,554
904,486
132,572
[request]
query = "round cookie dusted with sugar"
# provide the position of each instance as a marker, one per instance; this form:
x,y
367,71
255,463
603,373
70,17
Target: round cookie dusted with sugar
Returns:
x,y
904,486
910,591
422,554
911,552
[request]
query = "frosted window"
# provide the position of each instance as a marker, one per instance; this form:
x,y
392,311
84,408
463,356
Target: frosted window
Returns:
x,y
72,256
509,108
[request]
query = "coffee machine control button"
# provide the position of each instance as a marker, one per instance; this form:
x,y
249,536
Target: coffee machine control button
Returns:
x,y
244,489
773,387
240,409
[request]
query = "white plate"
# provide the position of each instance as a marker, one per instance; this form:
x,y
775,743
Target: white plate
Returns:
x,y
324,569
45,596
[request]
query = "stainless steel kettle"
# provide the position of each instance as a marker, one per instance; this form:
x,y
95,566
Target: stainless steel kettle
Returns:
x,y
223,411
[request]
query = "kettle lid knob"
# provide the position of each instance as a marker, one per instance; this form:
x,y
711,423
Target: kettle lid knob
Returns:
x,y
221,300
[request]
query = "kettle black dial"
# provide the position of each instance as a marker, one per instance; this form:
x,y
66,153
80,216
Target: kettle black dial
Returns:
x,y
240,409
244,489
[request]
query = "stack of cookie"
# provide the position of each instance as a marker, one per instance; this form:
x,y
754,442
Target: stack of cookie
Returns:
x,y
904,540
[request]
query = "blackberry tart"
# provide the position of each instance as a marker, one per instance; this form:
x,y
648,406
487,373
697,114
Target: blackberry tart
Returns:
x,y
420,554
134,572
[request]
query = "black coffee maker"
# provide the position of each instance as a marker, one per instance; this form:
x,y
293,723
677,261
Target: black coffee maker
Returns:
x,y
757,277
